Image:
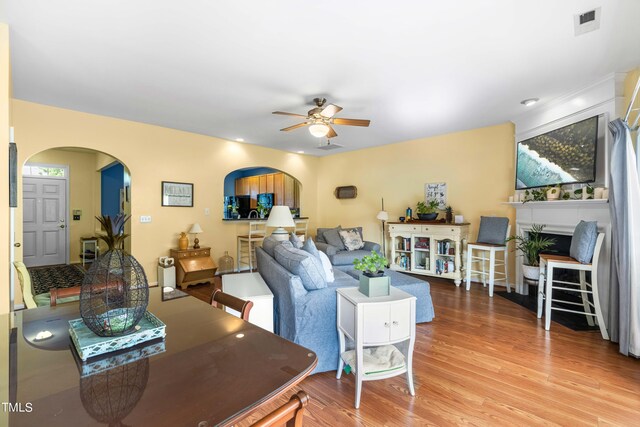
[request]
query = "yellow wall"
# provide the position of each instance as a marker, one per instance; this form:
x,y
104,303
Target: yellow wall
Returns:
x,y
83,183
153,154
477,165
5,85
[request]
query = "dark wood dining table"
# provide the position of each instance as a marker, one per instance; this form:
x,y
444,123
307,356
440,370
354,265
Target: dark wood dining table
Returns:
x,y
211,369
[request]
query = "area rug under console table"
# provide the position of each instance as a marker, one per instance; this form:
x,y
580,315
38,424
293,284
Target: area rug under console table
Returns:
x,y
429,248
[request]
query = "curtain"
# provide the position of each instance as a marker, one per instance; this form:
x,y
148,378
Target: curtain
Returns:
x,y
624,206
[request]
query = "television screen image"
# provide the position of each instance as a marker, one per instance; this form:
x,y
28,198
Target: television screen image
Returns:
x,y
562,156
266,199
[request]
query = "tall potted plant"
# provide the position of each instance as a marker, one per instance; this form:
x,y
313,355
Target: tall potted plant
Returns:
x,y
115,291
530,245
373,282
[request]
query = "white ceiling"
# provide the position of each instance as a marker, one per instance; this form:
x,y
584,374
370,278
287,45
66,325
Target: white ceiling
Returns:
x,y
219,68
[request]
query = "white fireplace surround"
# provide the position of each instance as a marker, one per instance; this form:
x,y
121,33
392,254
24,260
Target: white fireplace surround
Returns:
x,y
561,217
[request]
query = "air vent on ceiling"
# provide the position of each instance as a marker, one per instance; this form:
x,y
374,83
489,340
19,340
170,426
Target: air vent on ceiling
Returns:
x,y
329,146
587,21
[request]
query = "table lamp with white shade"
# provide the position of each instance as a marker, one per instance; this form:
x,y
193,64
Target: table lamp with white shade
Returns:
x,y
280,217
196,229
383,216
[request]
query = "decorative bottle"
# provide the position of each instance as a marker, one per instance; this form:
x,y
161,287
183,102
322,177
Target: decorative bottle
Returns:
x,y
408,214
225,263
183,241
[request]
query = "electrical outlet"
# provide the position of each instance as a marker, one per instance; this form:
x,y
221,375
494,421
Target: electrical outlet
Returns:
x,y
207,211
145,218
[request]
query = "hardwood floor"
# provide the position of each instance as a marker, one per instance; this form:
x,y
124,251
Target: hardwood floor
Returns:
x,y
486,361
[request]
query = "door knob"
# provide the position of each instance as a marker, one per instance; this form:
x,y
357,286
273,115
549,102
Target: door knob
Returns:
x,y
61,226
17,244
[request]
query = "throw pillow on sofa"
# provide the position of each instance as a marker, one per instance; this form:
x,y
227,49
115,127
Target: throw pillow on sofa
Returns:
x,y
269,244
302,264
351,239
295,241
328,268
332,237
309,246
320,234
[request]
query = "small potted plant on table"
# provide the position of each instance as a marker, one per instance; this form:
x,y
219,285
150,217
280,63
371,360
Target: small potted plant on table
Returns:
x,y
427,211
373,282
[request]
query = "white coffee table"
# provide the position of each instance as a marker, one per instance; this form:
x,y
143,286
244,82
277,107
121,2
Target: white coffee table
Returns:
x,y
373,322
250,286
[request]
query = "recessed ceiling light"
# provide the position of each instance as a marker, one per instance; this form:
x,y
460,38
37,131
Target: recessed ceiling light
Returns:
x,y
300,152
529,102
240,139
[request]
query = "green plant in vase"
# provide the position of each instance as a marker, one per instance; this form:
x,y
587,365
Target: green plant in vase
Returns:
x,y
427,211
262,209
530,245
371,265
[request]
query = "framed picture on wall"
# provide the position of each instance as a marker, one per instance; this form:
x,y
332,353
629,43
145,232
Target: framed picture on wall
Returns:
x,y
177,194
436,191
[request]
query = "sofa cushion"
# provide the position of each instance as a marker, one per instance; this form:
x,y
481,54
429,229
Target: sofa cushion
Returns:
x,y
493,230
351,239
302,264
309,246
295,240
347,257
332,237
269,243
583,241
328,268
320,234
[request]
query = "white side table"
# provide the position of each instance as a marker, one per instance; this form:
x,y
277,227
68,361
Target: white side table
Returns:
x,y
376,321
250,286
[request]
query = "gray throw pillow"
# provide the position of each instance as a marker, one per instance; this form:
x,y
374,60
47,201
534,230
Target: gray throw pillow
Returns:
x,y
493,230
320,234
269,243
310,247
583,241
295,241
302,264
332,237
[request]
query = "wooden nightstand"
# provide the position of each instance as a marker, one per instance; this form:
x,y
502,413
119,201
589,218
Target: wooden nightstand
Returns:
x,y
193,266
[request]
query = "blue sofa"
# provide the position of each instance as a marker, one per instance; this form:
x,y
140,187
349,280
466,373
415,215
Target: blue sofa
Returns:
x,y
308,317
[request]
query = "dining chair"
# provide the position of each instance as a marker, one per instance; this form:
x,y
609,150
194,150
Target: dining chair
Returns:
x,y
289,414
547,285
243,307
52,298
247,243
492,238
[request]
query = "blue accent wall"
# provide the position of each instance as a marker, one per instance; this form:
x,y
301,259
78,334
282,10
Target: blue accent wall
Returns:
x,y
112,180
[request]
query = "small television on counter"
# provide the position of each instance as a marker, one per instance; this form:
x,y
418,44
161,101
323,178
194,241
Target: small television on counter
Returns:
x,y
566,155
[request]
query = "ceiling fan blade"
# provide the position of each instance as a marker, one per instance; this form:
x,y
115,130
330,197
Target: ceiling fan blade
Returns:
x,y
330,110
288,114
299,125
351,122
332,133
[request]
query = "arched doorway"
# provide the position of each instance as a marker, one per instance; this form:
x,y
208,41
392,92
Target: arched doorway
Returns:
x,y
63,190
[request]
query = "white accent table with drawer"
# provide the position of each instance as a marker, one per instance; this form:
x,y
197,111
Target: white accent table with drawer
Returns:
x,y
376,321
250,286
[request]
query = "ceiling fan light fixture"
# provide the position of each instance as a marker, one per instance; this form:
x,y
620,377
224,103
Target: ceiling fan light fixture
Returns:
x,y
319,130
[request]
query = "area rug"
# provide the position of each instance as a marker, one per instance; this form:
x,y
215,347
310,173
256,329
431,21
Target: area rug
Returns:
x,y
575,322
55,276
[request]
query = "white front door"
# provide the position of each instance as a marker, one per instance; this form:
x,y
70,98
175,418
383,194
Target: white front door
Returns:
x,y
44,221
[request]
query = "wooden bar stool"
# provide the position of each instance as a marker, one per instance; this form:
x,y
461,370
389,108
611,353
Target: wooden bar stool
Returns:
x,y
301,227
546,286
247,243
490,241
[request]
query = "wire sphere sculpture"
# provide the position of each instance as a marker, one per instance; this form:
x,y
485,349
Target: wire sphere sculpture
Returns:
x,y
108,397
114,294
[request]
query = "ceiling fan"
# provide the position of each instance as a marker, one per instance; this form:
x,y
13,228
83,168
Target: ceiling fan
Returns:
x,y
320,119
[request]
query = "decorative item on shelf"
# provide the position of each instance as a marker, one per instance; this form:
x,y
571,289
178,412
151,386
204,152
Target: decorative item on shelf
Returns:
x,y
535,195
605,193
530,245
183,241
279,218
402,219
225,263
196,229
383,216
373,282
115,291
584,193
459,219
553,192
598,192
448,214
409,214
436,191
346,192
262,209
427,211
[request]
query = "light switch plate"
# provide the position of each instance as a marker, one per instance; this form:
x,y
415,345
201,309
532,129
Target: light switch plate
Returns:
x,y
145,218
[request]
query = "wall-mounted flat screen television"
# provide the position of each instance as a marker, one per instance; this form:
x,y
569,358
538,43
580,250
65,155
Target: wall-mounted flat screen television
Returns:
x,y
562,156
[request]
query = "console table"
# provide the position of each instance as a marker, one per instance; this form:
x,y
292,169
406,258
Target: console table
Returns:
x,y
429,248
193,266
372,322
